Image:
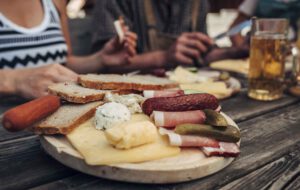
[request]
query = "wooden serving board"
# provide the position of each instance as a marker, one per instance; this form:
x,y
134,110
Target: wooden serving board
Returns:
x,y
188,165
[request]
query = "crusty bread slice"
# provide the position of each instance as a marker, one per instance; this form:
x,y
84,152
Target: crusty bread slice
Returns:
x,y
66,118
125,82
75,93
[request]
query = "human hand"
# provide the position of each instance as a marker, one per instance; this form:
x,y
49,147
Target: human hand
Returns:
x,y
115,53
187,47
33,83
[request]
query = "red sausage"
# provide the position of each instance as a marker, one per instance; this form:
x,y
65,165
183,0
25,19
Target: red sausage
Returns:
x,y
27,114
180,103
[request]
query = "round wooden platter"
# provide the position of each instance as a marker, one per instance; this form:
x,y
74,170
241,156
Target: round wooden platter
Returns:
x,y
190,164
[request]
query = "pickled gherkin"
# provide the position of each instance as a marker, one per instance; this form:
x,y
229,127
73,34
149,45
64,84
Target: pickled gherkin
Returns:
x,y
228,134
215,119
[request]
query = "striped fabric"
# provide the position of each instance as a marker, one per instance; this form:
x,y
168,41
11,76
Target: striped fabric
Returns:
x,y
25,48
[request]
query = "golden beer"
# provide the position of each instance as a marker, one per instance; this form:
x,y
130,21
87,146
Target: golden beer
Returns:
x,y
267,60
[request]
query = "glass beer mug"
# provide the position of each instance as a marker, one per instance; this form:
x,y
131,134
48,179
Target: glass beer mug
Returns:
x,y
268,51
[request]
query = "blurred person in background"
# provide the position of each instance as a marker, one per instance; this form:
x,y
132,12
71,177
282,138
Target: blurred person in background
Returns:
x,y
35,49
289,9
170,32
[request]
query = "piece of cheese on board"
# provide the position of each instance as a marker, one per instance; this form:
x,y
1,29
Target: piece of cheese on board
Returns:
x,y
93,146
218,89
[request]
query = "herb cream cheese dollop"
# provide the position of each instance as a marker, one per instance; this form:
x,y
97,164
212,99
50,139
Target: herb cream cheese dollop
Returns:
x,y
110,115
131,101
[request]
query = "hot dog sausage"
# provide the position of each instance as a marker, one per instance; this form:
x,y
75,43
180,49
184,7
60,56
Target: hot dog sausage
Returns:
x,y
25,115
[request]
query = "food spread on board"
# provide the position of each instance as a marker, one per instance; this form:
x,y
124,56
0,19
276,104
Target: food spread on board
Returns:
x,y
151,121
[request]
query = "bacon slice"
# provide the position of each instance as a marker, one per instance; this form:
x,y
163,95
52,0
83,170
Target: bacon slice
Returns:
x,y
162,93
171,119
226,150
188,140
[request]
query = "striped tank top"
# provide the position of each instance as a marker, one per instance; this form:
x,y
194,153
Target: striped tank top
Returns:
x,y
26,48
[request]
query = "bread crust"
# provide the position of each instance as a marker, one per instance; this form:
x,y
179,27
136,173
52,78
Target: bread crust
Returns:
x,y
78,99
51,130
123,86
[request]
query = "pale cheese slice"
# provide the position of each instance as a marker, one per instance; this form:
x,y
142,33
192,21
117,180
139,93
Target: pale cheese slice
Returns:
x,y
218,89
182,75
95,149
238,65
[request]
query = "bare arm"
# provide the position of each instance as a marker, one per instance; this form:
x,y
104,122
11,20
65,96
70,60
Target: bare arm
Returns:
x,y
143,62
7,86
238,40
113,53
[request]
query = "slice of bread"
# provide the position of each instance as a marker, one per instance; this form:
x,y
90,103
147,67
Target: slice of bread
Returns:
x,y
125,82
75,93
66,118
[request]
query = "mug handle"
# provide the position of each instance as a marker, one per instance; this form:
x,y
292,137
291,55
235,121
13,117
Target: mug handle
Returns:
x,y
296,64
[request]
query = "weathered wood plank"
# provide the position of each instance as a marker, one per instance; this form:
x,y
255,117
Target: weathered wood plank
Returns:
x,y
24,164
5,135
275,175
264,139
295,184
241,108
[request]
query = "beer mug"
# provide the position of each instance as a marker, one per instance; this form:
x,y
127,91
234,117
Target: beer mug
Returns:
x,y
268,51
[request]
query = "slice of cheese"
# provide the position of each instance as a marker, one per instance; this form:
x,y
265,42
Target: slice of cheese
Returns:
x,y
127,136
218,89
238,65
182,75
95,149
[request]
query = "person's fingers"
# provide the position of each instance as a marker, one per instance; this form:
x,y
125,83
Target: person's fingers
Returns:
x,y
130,42
42,88
192,43
66,74
190,52
201,37
131,35
181,58
131,51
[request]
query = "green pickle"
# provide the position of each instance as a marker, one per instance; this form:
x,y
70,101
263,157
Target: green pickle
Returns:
x,y
192,92
228,134
224,76
215,119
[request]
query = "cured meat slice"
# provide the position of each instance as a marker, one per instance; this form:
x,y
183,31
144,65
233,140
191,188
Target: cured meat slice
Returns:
x,y
226,150
188,140
171,119
162,93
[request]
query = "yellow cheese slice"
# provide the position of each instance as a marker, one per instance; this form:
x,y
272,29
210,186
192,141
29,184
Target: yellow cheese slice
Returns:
x,y
93,146
218,89
239,65
127,136
182,75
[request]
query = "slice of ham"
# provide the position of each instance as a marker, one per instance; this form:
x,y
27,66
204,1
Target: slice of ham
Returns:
x,y
226,150
188,140
162,93
171,119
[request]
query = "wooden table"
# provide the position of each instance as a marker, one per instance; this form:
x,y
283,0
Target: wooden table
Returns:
x,y
270,157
